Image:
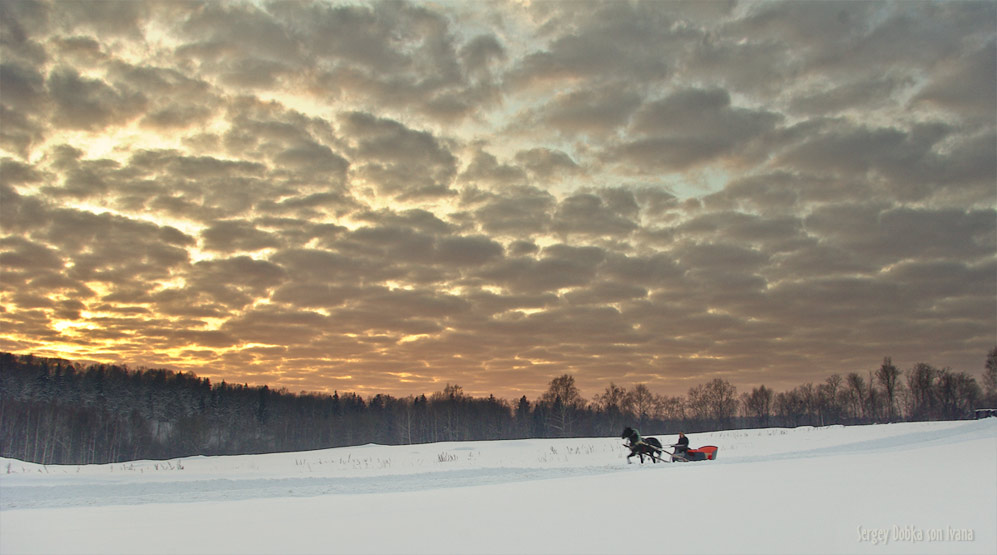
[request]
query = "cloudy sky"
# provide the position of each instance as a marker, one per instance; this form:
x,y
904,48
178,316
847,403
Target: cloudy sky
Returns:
x,y
390,197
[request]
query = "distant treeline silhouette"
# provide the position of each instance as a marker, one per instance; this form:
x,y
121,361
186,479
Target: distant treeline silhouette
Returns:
x,y
54,411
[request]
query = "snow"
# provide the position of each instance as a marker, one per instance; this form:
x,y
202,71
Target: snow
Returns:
x,y
928,487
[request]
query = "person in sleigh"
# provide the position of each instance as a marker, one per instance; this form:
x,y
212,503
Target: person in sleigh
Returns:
x,y
681,446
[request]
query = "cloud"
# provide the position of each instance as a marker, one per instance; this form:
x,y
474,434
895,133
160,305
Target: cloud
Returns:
x,y
588,214
239,235
861,94
596,112
547,164
23,87
27,262
967,86
467,251
771,234
516,211
480,53
398,161
602,42
310,266
102,247
785,192
275,326
400,56
485,168
161,87
235,282
115,17
888,236
235,35
691,127
559,266
82,103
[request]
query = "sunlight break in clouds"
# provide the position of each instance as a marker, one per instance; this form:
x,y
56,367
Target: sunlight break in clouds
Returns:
x,y
389,197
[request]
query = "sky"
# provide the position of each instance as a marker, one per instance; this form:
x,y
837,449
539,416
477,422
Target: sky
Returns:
x,y
392,197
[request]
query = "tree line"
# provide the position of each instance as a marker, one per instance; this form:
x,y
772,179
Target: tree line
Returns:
x,y
55,411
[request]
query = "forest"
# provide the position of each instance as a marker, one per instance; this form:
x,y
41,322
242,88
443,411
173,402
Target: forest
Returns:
x,y
54,411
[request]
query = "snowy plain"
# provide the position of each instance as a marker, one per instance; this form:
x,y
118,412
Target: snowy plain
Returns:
x,y
928,487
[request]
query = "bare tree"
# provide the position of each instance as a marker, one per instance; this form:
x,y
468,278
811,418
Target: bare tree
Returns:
x,y
448,407
990,379
643,403
673,408
830,399
957,394
612,402
714,402
921,383
873,400
856,393
758,405
698,405
811,402
662,408
563,401
789,407
887,376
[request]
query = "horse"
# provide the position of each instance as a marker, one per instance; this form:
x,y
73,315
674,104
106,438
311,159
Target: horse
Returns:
x,y
649,446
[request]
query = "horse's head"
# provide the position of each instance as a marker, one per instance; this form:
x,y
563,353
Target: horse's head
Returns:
x,y
627,432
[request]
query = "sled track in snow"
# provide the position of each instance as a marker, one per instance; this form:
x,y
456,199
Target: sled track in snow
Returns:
x,y
139,493
917,439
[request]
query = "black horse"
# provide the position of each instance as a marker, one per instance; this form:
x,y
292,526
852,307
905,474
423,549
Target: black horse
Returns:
x,y
648,446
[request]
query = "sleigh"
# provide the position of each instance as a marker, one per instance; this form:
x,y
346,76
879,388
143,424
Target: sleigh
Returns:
x,y
705,453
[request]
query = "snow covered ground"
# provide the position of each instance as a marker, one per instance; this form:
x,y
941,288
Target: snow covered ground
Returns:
x,y
898,488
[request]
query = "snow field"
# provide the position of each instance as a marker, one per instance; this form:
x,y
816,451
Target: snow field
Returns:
x,y
898,488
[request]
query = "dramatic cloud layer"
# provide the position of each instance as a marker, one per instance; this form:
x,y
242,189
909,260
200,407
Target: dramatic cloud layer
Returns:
x,y
389,197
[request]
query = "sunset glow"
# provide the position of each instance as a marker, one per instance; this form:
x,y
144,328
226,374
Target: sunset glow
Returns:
x,y
392,197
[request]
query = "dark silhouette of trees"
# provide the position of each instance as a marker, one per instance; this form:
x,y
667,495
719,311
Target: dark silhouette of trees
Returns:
x,y
923,394
758,405
714,403
562,402
990,379
523,420
612,403
958,394
887,376
829,400
856,395
642,403
58,412
789,408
